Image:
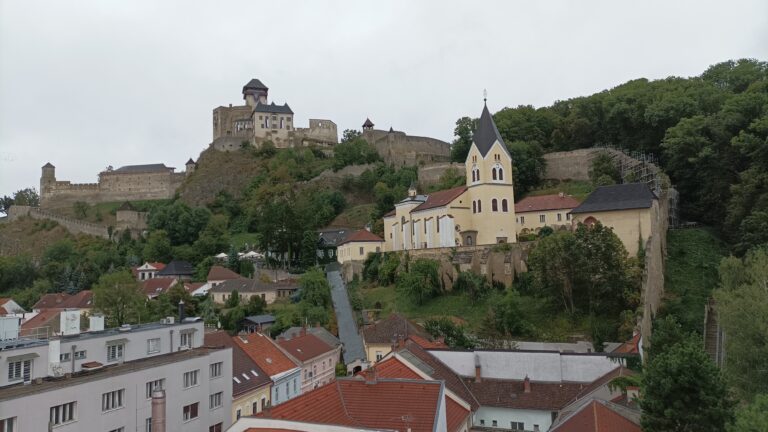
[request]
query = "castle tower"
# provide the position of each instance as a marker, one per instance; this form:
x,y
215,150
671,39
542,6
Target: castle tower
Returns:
x,y
491,190
47,180
191,165
368,125
255,92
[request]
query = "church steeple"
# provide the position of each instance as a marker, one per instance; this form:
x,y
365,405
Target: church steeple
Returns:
x,y
486,133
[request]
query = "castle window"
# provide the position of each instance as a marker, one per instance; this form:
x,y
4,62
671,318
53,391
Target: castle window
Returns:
x,y
479,206
504,206
282,123
469,240
494,205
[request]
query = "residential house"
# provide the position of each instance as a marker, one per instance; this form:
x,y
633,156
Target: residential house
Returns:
x,y
597,415
316,359
629,209
257,323
358,245
247,288
82,300
533,213
148,270
318,331
10,307
251,386
284,373
328,242
178,270
156,286
110,379
381,337
219,274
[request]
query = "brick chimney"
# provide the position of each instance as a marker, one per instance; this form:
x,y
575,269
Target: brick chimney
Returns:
x,y
478,374
158,411
527,384
370,375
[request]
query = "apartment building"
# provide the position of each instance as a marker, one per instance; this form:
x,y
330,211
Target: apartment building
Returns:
x,y
105,379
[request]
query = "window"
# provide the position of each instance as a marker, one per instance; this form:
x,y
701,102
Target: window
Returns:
x,y
190,378
494,205
482,422
517,426
479,206
115,352
536,428
186,338
8,425
469,240
153,346
238,414
501,173
504,205
474,206
21,369
567,216
494,423
62,358
559,217
379,355
148,424
294,386
154,385
542,218
277,396
255,407
215,428
494,173
63,413
112,400
215,400
522,220
190,412
263,403
216,369
361,250
79,355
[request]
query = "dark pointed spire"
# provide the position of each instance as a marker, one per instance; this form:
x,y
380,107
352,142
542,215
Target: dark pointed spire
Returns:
x,y
368,123
190,162
486,133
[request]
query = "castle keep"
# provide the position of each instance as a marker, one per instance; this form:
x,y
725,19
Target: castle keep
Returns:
x,y
258,121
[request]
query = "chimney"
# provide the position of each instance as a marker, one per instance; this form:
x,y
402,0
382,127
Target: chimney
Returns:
x,y
527,384
478,375
158,411
561,194
181,312
633,393
370,375
96,323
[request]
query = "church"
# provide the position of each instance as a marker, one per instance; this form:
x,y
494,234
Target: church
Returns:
x,y
480,213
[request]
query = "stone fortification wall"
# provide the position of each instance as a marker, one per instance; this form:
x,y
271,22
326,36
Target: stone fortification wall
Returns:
x,y
430,174
404,150
232,121
72,225
319,132
112,187
570,165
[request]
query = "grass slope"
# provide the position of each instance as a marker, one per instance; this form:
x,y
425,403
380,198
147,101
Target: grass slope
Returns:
x,y
693,256
27,236
578,189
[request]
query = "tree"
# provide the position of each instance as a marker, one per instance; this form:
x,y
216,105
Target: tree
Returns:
x,y
27,197
683,391
350,135
454,335
742,307
475,285
214,238
465,127
527,165
604,171
81,209
354,152
5,204
752,417
181,223
421,282
233,300
118,297
308,249
158,247
315,289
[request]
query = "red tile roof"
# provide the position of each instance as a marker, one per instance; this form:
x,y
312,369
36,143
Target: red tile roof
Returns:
x,y
631,346
385,404
46,318
306,347
81,300
262,350
545,202
511,394
362,236
218,273
600,416
455,414
242,364
156,286
440,198
428,344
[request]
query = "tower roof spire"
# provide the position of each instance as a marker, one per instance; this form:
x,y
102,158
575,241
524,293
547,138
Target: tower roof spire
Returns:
x,y
486,133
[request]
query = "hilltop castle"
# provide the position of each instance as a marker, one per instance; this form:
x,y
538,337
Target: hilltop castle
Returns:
x,y
258,121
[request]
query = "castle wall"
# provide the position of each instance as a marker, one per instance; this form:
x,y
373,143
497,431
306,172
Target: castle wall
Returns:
x,y
570,165
131,219
404,150
72,225
319,132
111,187
227,122
430,174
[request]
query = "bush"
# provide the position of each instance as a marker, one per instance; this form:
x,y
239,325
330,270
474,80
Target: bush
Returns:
x,y
421,282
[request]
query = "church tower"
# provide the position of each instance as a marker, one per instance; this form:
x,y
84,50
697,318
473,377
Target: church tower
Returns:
x,y
490,186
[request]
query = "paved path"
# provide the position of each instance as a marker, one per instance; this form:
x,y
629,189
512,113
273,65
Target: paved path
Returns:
x,y
353,342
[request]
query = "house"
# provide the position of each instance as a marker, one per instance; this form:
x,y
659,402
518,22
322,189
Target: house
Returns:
x,y
318,331
219,274
532,213
147,270
284,373
10,307
327,243
629,209
42,324
178,270
82,300
479,213
247,288
596,415
382,404
358,245
251,386
316,358
156,286
379,338
257,323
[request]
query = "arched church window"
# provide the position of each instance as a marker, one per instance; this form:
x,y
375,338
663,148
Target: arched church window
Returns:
x,y
504,206
473,175
501,173
494,173
494,205
478,175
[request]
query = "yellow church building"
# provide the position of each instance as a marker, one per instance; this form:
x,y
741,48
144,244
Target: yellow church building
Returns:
x,y
480,213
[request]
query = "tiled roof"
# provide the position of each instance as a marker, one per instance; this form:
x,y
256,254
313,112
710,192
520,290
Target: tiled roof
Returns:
x,y
320,332
385,404
455,414
487,134
600,416
272,108
244,285
305,347
177,268
146,168
156,286
81,300
221,273
44,318
361,236
511,394
333,237
617,197
388,330
249,375
545,202
631,346
440,198
263,351
426,343
390,213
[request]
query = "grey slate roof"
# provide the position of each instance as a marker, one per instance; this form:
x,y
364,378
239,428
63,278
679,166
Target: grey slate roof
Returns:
x,y
177,268
48,165
368,123
190,161
318,332
273,109
617,197
143,168
254,84
334,237
244,285
261,319
486,133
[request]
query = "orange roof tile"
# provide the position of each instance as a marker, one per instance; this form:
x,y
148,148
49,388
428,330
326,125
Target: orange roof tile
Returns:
x,y
221,273
428,344
455,414
305,347
81,300
156,286
545,202
440,198
362,236
46,318
600,416
383,404
262,350
631,346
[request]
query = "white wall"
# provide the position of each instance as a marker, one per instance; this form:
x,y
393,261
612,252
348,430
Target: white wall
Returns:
x,y
504,416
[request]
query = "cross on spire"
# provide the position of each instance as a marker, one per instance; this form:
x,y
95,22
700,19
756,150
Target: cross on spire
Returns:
x,y
485,95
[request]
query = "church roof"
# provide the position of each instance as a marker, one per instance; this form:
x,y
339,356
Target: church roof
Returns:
x,y
273,109
440,198
368,123
486,133
254,84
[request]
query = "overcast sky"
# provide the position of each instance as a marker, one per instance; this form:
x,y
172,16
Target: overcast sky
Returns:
x,y
88,84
